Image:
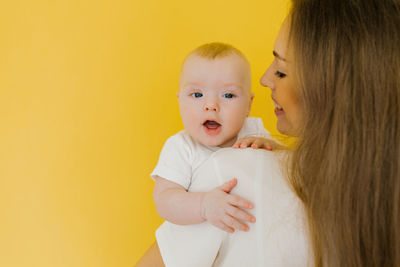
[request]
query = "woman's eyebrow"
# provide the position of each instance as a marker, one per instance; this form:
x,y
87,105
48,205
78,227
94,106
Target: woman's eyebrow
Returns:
x,y
277,55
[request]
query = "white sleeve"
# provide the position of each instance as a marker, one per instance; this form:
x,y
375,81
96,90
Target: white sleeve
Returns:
x,y
174,162
254,127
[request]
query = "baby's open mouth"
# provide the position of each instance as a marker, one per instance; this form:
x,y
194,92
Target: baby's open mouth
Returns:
x,y
212,127
211,124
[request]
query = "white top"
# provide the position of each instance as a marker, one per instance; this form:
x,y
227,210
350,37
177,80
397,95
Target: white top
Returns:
x,y
181,155
278,238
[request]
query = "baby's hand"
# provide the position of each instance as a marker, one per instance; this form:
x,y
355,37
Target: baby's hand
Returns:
x,y
257,142
224,210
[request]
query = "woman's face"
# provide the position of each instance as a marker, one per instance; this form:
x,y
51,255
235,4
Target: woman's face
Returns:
x,y
279,77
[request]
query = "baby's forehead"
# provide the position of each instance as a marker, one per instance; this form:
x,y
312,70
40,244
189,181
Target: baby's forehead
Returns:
x,y
195,64
216,72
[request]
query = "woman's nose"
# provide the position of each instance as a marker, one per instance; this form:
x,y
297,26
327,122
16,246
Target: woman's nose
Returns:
x,y
266,79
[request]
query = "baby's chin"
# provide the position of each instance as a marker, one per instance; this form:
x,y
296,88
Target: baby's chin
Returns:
x,y
221,144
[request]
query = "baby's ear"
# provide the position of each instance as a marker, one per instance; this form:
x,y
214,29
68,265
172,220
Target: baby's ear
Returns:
x,y
251,102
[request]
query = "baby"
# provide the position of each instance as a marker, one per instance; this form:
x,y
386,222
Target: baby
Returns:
x,y
215,99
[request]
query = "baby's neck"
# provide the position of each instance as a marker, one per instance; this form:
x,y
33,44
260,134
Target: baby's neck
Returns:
x,y
227,143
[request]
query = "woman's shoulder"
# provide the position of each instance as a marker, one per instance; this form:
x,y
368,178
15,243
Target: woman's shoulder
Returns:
x,y
279,236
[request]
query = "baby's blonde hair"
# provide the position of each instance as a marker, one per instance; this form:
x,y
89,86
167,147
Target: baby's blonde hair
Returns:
x,y
216,50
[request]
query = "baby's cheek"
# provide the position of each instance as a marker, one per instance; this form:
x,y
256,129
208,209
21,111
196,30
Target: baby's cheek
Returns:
x,y
236,125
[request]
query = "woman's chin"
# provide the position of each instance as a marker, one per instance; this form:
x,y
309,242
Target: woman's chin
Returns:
x,y
284,128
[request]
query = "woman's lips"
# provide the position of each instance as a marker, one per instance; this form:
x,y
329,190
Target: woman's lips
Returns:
x,y
278,109
279,112
211,127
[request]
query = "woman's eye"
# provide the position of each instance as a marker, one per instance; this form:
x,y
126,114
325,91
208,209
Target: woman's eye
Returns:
x,y
228,95
197,95
280,75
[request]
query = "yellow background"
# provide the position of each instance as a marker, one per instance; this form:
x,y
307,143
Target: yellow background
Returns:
x,y
87,99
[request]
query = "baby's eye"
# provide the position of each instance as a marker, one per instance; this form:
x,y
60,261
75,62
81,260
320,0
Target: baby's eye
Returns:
x,y
279,74
228,95
197,95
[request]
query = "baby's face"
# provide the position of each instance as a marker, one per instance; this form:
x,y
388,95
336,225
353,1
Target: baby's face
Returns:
x,y
215,98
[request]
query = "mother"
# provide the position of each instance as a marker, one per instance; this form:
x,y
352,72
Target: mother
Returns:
x,y
335,80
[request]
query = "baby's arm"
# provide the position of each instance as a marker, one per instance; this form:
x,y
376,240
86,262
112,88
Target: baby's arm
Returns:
x,y
218,206
257,142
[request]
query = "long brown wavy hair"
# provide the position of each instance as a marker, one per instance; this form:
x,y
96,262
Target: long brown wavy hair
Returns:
x,y
346,165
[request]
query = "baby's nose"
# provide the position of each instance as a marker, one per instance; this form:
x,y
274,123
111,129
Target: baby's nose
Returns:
x,y
211,105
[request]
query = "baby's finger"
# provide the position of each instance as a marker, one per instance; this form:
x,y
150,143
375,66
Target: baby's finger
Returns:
x,y
243,143
240,214
236,144
269,144
235,224
266,144
227,186
239,202
257,143
224,227
272,145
